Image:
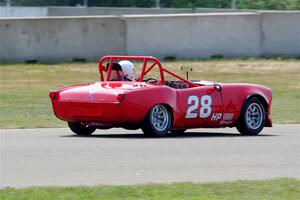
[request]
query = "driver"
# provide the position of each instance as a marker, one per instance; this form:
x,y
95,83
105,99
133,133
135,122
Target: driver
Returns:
x,y
122,71
116,72
128,70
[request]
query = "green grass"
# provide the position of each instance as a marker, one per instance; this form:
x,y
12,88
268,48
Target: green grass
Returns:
x,y
277,189
24,88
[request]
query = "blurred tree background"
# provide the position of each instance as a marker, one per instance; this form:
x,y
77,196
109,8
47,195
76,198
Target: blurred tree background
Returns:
x,y
241,4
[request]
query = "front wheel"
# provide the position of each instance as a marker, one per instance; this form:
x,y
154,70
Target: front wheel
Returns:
x,y
79,129
252,118
158,121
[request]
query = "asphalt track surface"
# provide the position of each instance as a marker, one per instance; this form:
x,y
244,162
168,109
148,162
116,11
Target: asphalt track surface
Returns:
x,y
39,157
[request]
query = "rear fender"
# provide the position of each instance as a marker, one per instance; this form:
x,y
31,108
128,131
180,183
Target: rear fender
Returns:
x,y
137,104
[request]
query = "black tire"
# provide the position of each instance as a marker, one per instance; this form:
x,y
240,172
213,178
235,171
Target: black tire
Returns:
x,y
252,118
79,129
157,122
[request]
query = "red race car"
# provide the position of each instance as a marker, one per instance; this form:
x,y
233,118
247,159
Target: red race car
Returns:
x,y
158,106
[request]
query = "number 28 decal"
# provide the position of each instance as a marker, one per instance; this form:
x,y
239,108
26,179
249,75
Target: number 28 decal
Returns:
x,y
205,109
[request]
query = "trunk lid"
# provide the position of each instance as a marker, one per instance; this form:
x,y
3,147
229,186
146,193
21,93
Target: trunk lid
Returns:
x,y
98,92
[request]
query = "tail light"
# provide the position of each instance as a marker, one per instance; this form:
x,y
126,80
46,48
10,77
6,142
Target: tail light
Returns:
x,y
120,97
52,95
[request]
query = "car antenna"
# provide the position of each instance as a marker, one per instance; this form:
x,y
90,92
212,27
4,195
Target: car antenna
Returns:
x,y
186,69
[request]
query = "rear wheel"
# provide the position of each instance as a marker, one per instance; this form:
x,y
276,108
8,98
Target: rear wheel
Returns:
x,y
158,121
252,118
80,129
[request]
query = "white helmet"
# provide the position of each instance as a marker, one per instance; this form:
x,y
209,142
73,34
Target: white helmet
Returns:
x,y
128,70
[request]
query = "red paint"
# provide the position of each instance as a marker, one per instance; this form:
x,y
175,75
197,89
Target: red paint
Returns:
x,y
119,102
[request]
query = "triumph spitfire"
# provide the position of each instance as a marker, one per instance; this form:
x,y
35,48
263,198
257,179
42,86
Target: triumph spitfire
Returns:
x,y
158,106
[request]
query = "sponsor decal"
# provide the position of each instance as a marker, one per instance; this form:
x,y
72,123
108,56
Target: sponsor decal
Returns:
x,y
228,116
225,122
216,116
227,119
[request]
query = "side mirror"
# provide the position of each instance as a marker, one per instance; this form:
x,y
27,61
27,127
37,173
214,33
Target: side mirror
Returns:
x,y
217,87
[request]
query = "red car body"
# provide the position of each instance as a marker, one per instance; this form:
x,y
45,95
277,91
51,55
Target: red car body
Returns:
x,y
126,104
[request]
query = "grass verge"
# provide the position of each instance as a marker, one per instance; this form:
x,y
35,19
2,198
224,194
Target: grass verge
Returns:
x,y
24,88
280,189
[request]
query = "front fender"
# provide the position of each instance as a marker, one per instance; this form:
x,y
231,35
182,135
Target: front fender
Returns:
x,y
235,95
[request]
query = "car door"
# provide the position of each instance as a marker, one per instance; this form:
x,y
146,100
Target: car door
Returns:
x,y
200,107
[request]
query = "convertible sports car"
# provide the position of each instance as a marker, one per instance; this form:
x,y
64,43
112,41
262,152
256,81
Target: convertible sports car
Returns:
x,y
158,106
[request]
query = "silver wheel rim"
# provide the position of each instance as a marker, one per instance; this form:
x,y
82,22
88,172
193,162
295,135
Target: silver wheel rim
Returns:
x,y
160,117
254,116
